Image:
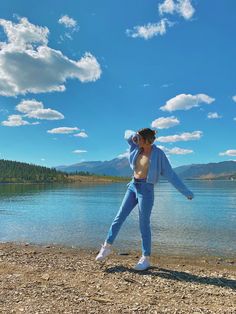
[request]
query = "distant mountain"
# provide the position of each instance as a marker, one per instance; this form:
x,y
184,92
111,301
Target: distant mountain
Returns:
x,y
114,167
218,170
120,167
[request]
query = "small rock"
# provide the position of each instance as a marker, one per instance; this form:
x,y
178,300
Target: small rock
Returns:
x,y
45,276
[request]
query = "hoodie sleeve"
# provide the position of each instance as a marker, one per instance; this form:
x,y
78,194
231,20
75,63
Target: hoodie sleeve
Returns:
x,y
129,134
171,176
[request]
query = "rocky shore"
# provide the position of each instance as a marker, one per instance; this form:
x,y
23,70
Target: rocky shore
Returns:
x,y
53,279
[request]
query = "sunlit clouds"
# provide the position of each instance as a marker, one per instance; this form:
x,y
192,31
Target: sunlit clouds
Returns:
x,y
63,130
165,122
37,67
186,102
229,152
186,136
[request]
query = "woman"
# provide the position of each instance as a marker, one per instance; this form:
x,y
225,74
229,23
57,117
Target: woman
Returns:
x,y
148,163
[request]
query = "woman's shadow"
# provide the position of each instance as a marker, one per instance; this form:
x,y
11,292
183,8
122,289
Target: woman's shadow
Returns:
x,y
175,275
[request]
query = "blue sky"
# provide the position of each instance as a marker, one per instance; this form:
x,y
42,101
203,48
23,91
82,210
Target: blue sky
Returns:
x,y
76,75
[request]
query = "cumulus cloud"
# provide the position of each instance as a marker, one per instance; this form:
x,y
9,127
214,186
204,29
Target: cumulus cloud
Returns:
x,y
27,106
124,155
168,6
16,120
63,130
186,102
79,151
71,26
176,150
48,114
24,34
35,109
81,134
27,64
165,123
67,21
150,30
234,98
229,152
186,136
182,7
128,133
213,115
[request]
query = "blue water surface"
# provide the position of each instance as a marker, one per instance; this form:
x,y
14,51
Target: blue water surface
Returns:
x,y
80,215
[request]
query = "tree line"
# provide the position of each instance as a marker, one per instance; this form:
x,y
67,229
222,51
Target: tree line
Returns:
x,y
21,172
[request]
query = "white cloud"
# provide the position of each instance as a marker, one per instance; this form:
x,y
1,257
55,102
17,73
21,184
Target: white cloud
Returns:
x,y
34,109
235,119
234,98
124,155
81,134
165,123
71,26
186,102
128,133
67,21
15,120
182,7
48,114
27,106
168,6
24,34
186,136
150,30
176,150
29,65
213,115
79,151
229,152
63,130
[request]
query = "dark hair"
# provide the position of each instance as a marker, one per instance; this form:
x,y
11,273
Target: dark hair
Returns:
x,y
147,134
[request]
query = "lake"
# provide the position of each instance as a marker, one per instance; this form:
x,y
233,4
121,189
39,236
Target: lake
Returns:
x,y
79,215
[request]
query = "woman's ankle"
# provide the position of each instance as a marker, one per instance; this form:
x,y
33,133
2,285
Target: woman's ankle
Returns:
x,y
107,244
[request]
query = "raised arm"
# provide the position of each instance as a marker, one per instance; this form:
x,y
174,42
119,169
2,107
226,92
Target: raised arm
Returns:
x,y
171,176
129,135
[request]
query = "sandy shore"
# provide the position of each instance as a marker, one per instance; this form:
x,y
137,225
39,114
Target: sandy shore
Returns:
x,y
40,279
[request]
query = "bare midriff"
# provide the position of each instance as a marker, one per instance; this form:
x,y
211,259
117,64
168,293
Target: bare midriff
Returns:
x,y
142,164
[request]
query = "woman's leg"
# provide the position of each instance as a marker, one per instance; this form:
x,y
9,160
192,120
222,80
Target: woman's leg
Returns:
x,y
128,203
145,202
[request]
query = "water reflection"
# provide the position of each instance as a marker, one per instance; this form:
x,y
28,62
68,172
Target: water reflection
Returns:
x,y
80,215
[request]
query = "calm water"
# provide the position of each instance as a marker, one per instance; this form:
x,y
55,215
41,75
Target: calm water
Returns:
x,y
80,216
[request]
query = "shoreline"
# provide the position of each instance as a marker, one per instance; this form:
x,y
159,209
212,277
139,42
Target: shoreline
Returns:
x,y
58,279
217,261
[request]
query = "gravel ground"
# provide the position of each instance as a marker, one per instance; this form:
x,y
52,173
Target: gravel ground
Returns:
x,y
53,279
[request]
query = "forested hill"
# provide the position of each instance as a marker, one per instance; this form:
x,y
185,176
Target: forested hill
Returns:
x,y
20,172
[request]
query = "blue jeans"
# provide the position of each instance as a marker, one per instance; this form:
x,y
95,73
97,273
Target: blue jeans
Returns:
x,y
142,193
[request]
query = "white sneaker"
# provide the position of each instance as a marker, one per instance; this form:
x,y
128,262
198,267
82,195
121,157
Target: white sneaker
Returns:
x,y
142,264
104,252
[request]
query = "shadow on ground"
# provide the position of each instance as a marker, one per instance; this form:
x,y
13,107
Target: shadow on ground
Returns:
x,y
176,275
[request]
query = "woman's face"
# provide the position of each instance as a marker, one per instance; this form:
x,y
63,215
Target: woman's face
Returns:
x,y
142,142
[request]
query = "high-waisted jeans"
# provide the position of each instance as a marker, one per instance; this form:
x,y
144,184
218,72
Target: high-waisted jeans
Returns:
x,y
142,193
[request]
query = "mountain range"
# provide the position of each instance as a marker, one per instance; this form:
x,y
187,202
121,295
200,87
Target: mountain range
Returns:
x,y
120,167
